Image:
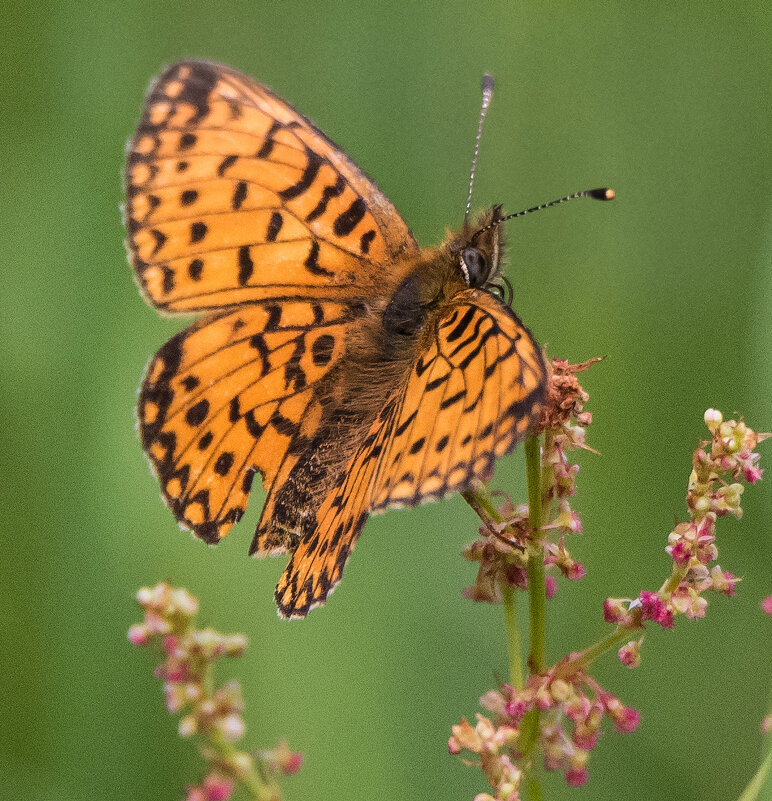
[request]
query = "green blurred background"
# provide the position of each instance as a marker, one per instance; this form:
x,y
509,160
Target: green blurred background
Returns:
x,y
667,104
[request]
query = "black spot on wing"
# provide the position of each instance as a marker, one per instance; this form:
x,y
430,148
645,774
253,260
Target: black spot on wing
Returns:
x,y
346,222
246,265
306,179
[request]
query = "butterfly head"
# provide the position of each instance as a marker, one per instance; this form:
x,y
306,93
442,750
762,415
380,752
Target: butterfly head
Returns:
x,y
478,249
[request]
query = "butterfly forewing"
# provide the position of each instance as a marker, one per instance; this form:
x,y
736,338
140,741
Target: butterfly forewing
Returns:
x,y
235,197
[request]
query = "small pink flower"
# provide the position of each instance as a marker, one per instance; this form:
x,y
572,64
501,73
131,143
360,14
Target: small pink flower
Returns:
x,y
753,474
576,777
516,709
630,654
551,586
628,720
653,608
723,581
687,601
575,571
217,787
766,604
232,727
680,552
292,764
139,634
615,610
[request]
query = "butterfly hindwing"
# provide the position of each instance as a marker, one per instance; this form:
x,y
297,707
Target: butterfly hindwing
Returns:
x,y
475,390
317,563
233,197
228,397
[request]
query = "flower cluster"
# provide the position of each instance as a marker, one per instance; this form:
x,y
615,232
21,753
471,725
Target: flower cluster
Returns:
x,y
713,491
558,711
212,713
507,542
572,707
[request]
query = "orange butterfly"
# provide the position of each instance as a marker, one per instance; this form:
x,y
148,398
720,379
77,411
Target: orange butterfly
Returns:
x,y
352,369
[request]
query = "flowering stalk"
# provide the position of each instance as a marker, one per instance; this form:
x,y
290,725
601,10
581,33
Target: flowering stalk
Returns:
x,y
558,710
213,715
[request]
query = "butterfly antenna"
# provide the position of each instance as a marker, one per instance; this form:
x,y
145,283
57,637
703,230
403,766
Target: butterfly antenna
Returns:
x,y
604,193
487,94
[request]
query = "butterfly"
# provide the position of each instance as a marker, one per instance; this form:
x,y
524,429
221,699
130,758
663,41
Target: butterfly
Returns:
x,y
350,368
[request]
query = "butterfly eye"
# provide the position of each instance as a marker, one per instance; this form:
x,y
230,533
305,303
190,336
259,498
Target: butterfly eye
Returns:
x,y
474,265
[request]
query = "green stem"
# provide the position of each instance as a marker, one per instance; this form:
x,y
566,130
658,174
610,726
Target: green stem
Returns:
x,y
537,594
537,591
751,792
260,786
533,785
513,637
584,658
478,498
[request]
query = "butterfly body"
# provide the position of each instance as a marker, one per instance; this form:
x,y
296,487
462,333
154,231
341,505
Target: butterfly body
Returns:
x,y
350,368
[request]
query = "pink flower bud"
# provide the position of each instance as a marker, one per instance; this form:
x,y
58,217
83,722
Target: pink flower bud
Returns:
x,y
630,654
752,473
614,610
628,720
138,634
653,608
575,571
291,764
723,581
584,738
766,604
576,777
217,787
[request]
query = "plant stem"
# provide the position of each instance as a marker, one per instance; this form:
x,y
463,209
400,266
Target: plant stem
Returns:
x,y
259,785
513,637
533,785
479,499
751,792
537,593
584,658
537,658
